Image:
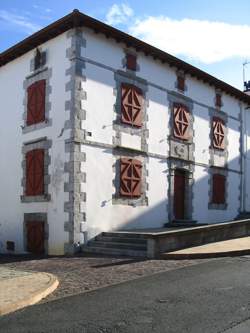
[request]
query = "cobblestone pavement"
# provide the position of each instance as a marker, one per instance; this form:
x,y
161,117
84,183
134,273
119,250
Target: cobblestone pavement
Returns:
x,y
83,273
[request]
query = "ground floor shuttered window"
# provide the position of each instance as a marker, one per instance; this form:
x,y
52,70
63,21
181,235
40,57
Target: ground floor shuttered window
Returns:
x,y
219,182
130,177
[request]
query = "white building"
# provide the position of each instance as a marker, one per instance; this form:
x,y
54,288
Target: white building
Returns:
x,y
101,131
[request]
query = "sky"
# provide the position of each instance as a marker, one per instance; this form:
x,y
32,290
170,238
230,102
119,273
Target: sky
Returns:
x,y
211,35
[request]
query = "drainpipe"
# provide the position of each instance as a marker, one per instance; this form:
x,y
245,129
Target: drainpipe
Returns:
x,y
243,158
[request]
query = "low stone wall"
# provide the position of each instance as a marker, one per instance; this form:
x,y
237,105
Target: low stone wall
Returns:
x,y
179,239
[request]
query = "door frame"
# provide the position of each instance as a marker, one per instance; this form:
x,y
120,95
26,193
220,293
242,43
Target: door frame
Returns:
x,y
188,170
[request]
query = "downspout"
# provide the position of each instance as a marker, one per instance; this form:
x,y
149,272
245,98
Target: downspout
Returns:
x,y
243,158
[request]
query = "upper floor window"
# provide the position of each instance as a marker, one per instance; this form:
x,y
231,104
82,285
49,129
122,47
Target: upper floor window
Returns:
x,y
130,177
34,172
218,100
40,59
180,82
218,133
131,105
36,103
131,61
181,117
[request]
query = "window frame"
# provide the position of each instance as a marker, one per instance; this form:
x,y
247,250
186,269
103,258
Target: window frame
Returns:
x,y
130,178
218,123
218,181
131,61
184,110
127,108
34,168
33,91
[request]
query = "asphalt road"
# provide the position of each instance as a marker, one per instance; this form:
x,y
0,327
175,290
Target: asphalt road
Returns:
x,y
211,297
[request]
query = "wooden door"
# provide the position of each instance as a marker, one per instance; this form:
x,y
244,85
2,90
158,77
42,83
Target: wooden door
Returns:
x,y
179,194
35,237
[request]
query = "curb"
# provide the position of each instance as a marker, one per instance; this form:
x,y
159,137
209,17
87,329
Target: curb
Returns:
x,y
180,256
33,297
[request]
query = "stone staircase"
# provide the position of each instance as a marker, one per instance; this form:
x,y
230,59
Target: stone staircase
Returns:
x,y
118,243
183,224
243,216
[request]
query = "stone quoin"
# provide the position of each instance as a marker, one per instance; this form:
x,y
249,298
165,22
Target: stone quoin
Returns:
x,y
102,132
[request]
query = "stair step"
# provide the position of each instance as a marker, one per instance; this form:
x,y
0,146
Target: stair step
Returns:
x,y
123,235
111,251
121,240
118,245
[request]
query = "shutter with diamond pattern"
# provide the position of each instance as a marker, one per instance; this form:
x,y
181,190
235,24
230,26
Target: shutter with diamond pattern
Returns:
x,y
130,179
218,133
131,105
181,122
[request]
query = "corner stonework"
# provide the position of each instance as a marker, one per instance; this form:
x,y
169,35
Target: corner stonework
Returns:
x,y
74,166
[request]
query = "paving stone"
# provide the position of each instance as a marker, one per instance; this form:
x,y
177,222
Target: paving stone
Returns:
x,y
83,273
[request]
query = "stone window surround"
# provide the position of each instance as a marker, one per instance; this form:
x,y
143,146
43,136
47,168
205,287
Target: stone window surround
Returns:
x,y
32,61
180,73
124,60
41,143
214,151
188,168
130,78
42,73
176,98
189,146
36,217
218,92
117,199
211,172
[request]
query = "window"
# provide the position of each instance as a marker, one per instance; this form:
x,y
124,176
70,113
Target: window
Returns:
x,y
180,82
40,59
218,101
130,177
35,172
218,196
131,105
36,103
131,62
218,133
181,122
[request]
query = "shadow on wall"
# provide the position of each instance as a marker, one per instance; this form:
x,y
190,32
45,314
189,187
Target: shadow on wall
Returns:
x,y
156,215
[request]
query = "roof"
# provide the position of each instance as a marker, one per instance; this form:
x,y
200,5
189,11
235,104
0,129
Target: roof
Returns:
x,y
78,19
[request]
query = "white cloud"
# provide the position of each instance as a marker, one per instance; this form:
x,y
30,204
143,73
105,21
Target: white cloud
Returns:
x,y
118,14
19,21
205,41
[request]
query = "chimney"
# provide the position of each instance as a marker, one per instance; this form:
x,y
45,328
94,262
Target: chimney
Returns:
x,y
247,87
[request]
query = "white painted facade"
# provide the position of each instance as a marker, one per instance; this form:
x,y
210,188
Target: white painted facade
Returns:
x,y
99,211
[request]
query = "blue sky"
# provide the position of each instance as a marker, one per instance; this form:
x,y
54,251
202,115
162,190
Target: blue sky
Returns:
x,y
212,35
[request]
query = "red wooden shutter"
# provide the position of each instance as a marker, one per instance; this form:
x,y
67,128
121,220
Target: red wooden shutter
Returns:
x,y
130,177
181,122
131,62
218,189
181,83
218,101
218,133
36,103
131,105
35,172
